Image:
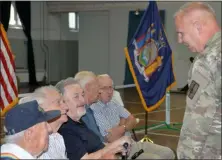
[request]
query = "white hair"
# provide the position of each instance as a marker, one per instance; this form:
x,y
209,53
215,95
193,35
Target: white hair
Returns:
x,y
39,95
31,97
13,138
195,6
84,77
105,75
42,90
64,83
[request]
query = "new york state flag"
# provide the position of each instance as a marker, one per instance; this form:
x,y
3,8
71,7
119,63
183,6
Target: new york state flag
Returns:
x,y
150,59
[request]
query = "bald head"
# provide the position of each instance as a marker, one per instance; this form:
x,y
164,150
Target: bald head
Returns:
x,y
201,8
104,78
195,25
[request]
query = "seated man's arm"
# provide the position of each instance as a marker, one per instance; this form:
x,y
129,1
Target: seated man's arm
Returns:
x,y
74,148
100,154
122,121
127,123
109,151
130,120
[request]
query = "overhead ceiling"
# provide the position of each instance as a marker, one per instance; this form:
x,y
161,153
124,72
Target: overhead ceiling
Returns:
x,y
72,6
75,6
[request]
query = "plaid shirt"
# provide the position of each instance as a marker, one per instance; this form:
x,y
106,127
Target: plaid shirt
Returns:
x,y
108,115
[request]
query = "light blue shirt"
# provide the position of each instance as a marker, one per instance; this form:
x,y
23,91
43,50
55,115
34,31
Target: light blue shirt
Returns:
x,y
90,122
108,115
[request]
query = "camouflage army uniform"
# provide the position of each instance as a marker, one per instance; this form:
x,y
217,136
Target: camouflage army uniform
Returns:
x,y
200,136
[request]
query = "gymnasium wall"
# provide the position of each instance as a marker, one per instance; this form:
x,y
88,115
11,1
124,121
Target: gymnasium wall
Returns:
x,y
98,46
108,35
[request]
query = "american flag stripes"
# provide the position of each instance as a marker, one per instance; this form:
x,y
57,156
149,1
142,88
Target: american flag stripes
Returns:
x,y
8,81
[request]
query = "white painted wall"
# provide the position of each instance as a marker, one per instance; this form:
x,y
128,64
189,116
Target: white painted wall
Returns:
x,y
118,29
94,42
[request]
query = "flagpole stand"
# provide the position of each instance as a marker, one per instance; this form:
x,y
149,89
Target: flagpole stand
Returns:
x,y
146,138
162,125
166,124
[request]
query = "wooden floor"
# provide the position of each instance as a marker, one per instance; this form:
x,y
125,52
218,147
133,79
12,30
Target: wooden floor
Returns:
x,y
165,137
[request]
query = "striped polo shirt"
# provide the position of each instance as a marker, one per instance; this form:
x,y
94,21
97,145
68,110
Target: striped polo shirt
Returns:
x,y
12,151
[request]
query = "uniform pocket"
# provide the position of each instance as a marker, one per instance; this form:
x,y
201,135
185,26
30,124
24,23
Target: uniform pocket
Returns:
x,y
196,88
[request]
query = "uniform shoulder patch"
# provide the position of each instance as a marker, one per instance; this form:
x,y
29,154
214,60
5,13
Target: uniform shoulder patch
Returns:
x,y
194,86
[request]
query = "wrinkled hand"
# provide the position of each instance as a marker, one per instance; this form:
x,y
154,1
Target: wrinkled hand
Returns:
x,y
115,133
117,146
122,121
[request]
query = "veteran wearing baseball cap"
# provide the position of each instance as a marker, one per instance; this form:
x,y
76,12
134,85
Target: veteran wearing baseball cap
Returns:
x,y
27,131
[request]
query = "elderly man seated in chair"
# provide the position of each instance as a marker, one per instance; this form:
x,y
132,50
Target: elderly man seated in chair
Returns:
x,y
89,83
27,131
108,116
49,98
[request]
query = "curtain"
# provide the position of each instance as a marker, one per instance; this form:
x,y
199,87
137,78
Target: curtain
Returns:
x,y
24,11
134,20
5,7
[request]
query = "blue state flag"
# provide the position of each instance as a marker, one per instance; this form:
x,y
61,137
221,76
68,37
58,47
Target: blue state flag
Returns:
x,y
150,59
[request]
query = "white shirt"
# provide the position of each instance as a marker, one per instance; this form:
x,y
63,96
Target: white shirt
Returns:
x,y
117,98
56,149
14,151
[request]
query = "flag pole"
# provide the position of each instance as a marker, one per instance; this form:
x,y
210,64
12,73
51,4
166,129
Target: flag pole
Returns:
x,y
167,124
163,125
146,138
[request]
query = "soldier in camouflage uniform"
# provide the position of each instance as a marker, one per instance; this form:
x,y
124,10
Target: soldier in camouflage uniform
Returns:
x,y
200,136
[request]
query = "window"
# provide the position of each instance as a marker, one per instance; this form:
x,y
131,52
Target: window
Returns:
x,y
73,21
14,21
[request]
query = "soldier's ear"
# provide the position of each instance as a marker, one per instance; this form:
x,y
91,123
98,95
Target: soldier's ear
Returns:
x,y
198,26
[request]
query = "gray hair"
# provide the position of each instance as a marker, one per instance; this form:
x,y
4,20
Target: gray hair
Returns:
x,y
13,138
84,77
39,95
64,83
195,6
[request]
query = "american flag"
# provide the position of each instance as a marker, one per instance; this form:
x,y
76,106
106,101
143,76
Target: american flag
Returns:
x,y
8,81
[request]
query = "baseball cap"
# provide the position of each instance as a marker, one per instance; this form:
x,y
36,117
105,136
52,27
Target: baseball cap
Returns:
x,y
26,115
